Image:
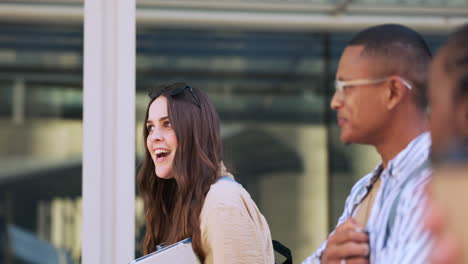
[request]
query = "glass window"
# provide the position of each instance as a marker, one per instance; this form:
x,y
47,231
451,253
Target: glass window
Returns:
x,y
40,142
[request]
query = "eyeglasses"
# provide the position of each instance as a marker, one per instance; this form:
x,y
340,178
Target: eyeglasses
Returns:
x,y
175,89
340,85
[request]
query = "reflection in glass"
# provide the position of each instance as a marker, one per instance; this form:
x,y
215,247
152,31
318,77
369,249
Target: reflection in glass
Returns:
x,y
40,143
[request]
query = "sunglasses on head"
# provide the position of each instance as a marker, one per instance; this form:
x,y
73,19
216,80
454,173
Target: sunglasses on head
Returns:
x,y
175,89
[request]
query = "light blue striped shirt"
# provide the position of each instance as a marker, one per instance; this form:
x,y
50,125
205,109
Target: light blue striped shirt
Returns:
x,y
396,233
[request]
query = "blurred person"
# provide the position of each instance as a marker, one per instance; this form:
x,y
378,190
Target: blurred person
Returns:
x,y
448,98
381,101
186,189
448,95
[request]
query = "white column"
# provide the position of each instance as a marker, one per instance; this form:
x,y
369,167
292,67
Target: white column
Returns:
x,y
108,136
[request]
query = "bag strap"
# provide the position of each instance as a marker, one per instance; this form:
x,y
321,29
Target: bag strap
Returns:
x,y
284,251
393,209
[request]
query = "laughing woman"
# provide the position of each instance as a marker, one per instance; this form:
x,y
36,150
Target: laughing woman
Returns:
x,y
186,189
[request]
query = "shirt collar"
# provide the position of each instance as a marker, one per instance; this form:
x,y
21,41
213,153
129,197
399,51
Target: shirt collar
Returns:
x,y
421,142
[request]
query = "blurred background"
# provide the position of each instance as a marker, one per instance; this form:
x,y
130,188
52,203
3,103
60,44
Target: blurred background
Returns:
x,y
267,64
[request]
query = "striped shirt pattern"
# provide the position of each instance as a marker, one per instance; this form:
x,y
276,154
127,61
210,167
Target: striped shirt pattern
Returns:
x,y
407,241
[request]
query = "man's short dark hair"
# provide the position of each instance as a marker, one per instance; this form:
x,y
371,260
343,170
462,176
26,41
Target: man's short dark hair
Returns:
x,y
405,51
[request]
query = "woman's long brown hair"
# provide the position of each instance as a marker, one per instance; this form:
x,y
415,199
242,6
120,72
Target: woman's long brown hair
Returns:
x,y
173,206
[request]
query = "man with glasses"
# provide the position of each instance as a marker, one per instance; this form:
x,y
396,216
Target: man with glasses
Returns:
x,y
380,100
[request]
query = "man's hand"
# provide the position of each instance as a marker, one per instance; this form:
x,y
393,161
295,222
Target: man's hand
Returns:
x,y
349,243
